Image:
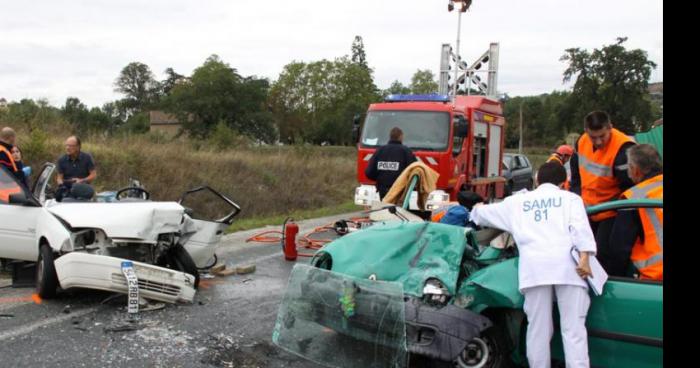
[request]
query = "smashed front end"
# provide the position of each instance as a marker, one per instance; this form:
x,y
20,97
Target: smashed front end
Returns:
x,y
421,260
81,270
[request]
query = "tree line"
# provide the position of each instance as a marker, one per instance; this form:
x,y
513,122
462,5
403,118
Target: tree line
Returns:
x,y
314,102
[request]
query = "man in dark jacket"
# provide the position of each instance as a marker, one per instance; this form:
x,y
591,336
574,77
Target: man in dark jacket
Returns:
x,y
389,161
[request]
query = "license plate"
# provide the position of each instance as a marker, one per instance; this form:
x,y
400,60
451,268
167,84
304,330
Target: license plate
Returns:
x,y
132,283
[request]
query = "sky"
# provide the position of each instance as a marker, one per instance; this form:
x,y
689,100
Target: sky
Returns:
x,y
58,49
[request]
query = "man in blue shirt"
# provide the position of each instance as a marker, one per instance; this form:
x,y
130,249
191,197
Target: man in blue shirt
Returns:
x,y
74,167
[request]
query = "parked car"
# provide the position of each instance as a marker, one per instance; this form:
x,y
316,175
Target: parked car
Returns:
x,y
82,243
518,172
460,298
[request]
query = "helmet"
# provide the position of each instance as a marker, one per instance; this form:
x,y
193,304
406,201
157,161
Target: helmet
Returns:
x,y
565,150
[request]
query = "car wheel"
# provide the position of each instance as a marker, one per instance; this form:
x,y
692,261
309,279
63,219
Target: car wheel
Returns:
x,y
509,188
490,350
46,278
180,260
530,184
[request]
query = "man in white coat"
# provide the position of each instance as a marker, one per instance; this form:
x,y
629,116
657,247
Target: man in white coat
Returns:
x,y
546,223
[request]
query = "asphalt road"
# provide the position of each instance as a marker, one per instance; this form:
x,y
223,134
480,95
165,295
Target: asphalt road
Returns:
x,y
229,324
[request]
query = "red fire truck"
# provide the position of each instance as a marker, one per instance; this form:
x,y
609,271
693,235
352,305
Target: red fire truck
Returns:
x,y
461,138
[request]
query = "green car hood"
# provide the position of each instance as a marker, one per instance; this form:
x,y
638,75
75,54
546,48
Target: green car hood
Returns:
x,y
409,253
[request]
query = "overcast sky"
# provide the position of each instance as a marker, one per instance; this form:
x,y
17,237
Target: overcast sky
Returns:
x,y
55,49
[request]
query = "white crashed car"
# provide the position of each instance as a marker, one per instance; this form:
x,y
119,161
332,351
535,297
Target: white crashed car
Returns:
x,y
82,244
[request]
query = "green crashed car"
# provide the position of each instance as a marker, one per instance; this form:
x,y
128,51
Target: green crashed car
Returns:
x,y
431,291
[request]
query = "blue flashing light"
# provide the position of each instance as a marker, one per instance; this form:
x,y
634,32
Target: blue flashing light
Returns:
x,y
428,98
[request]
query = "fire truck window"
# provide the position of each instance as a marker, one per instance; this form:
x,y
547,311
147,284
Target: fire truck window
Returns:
x,y
457,142
414,125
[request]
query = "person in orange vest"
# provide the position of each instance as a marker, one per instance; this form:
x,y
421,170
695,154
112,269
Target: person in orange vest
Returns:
x,y
638,236
7,160
561,156
599,172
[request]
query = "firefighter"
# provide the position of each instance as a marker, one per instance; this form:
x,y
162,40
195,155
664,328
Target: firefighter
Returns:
x,y
546,223
599,172
562,154
638,236
389,161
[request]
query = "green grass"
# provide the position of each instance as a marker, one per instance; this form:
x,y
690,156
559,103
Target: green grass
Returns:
x,y
297,215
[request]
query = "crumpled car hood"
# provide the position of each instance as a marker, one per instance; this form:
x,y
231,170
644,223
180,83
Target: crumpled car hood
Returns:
x,y
408,253
131,220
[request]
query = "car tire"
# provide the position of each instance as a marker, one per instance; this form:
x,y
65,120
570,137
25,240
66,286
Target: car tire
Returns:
x,y
180,260
46,278
508,190
531,184
490,350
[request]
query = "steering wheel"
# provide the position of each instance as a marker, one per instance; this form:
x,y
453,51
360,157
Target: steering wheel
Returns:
x,y
132,192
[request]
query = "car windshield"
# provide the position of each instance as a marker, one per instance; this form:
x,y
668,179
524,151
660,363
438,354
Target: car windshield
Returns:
x,y
422,130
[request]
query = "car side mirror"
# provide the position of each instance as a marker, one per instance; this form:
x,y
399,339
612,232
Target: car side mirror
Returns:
x,y
19,199
356,128
461,127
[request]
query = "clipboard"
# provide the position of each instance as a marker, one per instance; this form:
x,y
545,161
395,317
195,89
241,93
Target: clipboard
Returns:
x,y
597,282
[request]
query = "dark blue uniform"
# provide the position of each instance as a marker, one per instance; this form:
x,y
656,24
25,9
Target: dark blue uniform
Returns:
x,y
387,163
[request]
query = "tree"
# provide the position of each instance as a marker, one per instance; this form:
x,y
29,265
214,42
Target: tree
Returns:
x,y
396,88
358,52
172,78
612,79
316,102
138,83
217,93
423,82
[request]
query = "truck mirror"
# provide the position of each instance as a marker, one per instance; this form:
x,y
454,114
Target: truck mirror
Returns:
x,y
461,127
356,128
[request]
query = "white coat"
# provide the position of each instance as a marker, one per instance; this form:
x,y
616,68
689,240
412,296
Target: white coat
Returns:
x,y
545,224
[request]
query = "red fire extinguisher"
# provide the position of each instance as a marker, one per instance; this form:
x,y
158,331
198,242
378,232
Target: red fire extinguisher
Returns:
x,y
289,245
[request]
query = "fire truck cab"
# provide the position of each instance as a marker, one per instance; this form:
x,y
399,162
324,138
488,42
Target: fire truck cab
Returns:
x,y
461,138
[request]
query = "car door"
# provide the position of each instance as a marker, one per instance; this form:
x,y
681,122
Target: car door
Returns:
x,y
17,220
625,324
212,212
519,175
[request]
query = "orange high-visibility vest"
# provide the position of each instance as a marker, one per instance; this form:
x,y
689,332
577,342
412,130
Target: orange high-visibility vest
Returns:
x,y
598,183
9,155
648,256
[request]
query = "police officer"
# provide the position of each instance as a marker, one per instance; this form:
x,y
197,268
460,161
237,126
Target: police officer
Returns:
x,y
389,161
546,223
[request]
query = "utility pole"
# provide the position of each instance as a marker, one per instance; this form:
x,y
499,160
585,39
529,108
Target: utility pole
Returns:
x,y
520,142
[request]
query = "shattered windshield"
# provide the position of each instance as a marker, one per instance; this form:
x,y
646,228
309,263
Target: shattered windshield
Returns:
x,y
422,130
339,321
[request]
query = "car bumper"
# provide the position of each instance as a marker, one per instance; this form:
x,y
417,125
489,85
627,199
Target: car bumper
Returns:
x,y
441,333
82,270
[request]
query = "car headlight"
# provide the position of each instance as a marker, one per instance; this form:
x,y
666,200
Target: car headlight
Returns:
x,y
365,195
436,199
435,292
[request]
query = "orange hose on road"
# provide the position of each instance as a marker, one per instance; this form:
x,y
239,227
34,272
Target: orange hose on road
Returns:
x,y
305,242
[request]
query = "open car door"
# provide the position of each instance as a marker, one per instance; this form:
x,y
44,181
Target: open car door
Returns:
x,y
212,212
